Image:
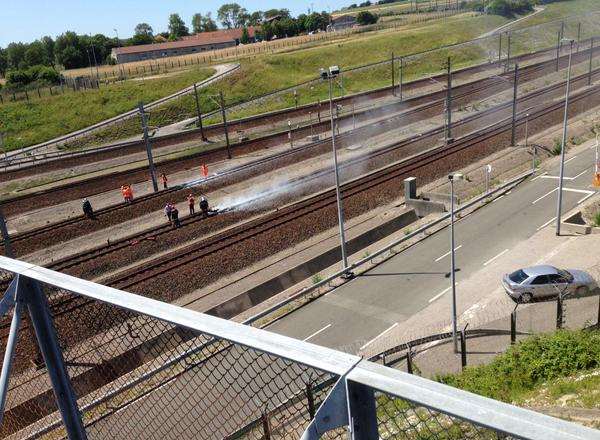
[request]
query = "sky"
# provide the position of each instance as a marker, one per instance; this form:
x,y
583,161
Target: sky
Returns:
x,y
26,21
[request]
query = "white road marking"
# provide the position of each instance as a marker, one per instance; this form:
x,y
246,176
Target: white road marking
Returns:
x,y
557,177
497,198
580,174
547,223
544,196
497,256
540,176
448,253
570,159
316,333
585,198
580,191
378,336
440,294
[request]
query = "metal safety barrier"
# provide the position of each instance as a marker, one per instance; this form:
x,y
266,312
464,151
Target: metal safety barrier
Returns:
x,y
83,360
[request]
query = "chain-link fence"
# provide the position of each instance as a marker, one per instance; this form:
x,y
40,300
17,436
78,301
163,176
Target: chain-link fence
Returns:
x,y
91,361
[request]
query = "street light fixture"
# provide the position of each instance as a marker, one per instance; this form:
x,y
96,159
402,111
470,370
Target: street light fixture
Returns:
x,y
564,141
329,75
452,178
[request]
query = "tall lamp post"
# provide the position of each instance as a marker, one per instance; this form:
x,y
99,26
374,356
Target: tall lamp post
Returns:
x,y
452,178
564,142
329,75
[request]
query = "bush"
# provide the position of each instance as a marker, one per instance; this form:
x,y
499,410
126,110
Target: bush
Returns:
x,y
530,363
41,75
366,17
508,8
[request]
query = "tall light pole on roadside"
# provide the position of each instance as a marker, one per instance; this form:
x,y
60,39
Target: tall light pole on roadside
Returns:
x,y
329,75
452,178
564,142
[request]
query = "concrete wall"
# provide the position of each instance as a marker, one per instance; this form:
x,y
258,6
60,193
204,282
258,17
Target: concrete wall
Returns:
x,y
293,276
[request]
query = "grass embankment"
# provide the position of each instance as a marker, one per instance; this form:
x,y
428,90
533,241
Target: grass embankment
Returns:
x,y
27,123
537,372
264,74
546,371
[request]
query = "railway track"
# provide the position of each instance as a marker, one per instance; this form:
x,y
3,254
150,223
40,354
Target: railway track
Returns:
x,y
261,234
92,263
124,148
195,253
100,184
68,229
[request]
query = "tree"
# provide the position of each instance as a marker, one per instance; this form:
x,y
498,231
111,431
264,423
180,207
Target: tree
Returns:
x,y
232,15
245,39
70,51
15,54
197,23
366,17
3,62
208,24
144,29
282,13
35,55
48,43
177,27
143,34
256,18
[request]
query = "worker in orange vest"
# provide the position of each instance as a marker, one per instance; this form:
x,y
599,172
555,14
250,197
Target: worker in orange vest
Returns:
x,y
163,178
124,192
191,202
128,194
204,170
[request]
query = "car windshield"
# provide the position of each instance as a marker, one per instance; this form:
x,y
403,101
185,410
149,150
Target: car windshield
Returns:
x,y
565,275
518,276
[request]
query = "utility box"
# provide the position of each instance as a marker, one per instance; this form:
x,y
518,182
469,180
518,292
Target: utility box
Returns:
x,y
410,188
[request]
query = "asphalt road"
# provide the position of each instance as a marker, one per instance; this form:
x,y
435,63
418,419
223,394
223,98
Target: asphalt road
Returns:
x,y
364,309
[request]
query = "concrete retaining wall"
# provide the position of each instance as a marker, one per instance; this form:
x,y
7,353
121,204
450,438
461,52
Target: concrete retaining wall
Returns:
x,y
293,276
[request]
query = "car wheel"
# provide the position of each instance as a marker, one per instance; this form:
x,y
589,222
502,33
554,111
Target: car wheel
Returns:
x,y
526,297
582,291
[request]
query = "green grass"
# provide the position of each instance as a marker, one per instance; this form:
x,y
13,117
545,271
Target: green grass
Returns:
x,y
28,123
264,74
557,147
512,376
597,219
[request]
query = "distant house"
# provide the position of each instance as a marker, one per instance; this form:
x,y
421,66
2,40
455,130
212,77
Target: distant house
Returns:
x,y
342,22
197,43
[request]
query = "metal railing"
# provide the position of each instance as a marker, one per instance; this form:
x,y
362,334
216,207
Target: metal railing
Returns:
x,y
215,378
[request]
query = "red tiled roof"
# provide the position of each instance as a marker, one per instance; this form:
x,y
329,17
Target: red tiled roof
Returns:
x,y
201,39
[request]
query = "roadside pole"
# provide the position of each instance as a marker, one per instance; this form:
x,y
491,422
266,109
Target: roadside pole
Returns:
x,y
514,107
199,114
449,103
8,250
564,145
148,143
226,128
393,76
401,76
591,61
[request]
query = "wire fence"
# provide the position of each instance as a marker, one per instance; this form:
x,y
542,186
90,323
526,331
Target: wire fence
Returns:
x,y
138,368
